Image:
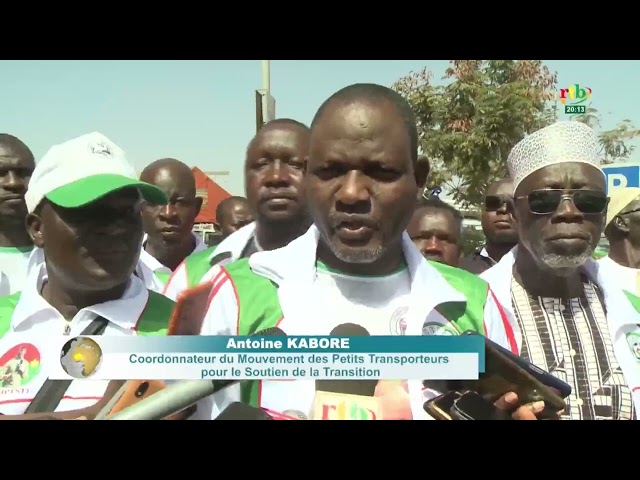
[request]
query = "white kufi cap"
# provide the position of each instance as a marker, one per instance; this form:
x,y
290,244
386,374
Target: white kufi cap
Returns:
x,y
562,142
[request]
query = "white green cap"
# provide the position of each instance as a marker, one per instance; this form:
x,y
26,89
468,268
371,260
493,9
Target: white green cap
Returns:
x,y
83,170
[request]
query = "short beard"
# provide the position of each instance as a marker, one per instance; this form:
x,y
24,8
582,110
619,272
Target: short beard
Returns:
x,y
358,256
564,263
365,255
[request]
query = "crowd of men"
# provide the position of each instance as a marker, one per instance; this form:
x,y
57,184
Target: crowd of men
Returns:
x,y
333,229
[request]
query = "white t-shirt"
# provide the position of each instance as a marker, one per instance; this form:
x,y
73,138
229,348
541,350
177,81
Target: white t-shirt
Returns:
x,y
161,272
627,278
13,264
26,349
378,303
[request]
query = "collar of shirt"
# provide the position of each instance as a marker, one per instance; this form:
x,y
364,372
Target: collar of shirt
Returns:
x,y
278,267
33,311
151,262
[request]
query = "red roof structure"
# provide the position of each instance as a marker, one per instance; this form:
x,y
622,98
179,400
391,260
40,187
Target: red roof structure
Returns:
x,y
211,193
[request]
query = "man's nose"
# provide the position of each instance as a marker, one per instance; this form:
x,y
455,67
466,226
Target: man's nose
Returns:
x,y
168,211
353,189
277,174
14,182
568,211
432,245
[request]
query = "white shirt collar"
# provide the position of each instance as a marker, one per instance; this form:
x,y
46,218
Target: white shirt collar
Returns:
x,y
124,312
297,262
153,263
236,242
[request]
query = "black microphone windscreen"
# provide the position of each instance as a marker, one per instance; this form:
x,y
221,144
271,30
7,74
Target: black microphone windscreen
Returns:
x,y
269,332
364,388
241,411
350,330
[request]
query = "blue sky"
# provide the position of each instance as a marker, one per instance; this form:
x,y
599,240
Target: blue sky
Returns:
x,y
203,112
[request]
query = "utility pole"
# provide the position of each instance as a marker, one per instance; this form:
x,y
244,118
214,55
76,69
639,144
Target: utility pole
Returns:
x,y
265,103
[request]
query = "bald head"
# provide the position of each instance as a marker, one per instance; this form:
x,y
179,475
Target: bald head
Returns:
x,y
232,214
285,124
13,146
169,170
171,224
374,94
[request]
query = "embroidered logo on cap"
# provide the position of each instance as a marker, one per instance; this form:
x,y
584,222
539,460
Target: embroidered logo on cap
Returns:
x,y
100,148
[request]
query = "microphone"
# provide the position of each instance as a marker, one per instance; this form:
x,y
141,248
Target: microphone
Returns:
x,y
242,411
346,399
180,395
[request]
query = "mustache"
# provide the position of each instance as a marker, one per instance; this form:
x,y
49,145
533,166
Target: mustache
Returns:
x,y
271,194
338,219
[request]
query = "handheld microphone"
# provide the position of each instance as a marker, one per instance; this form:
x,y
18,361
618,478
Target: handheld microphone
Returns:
x,y
346,399
180,395
242,411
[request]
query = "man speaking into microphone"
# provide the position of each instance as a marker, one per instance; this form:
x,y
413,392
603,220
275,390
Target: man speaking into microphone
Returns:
x,y
356,264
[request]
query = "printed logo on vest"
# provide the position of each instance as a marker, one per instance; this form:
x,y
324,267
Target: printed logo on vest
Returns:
x,y
19,365
633,340
436,328
398,324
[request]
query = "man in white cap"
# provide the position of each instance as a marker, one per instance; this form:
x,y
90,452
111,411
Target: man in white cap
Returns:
x,y
550,286
622,229
84,204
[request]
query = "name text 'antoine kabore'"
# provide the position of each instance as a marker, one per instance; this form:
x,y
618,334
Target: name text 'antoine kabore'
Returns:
x,y
259,343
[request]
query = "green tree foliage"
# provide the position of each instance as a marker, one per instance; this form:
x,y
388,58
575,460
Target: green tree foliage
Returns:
x,y
615,142
468,125
472,239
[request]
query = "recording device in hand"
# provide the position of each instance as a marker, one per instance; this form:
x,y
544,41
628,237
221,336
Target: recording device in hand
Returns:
x,y
346,399
506,372
548,379
180,395
242,411
132,392
471,406
463,406
190,310
440,407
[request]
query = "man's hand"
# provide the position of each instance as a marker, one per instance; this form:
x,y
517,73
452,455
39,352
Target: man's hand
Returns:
x,y
394,399
524,412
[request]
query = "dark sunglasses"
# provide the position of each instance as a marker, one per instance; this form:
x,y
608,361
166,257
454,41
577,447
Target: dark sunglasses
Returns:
x,y
493,203
544,202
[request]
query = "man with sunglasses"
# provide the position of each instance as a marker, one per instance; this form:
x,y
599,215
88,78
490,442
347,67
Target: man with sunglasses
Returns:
x,y
555,297
499,228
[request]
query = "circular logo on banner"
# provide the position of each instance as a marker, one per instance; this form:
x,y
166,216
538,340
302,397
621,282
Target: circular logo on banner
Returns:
x,y
19,365
435,328
633,340
398,324
80,357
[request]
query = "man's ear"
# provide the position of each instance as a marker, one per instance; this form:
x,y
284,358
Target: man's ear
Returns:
x,y
198,206
422,171
621,224
35,230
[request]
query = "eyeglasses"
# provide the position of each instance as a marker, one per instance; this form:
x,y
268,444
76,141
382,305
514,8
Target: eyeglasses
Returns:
x,y
544,202
493,203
